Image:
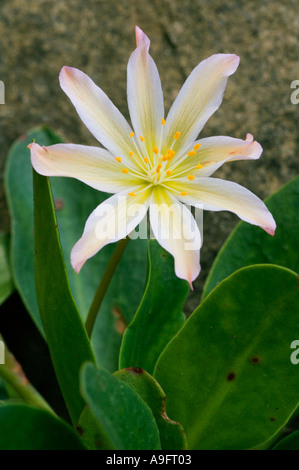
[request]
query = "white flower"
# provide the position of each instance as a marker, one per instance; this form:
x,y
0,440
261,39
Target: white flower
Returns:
x,y
159,165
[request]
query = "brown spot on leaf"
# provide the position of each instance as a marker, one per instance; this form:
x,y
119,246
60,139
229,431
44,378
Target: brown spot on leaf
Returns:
x,y
79,430
59,204
255,359
135,370
120,322
231,376
272,419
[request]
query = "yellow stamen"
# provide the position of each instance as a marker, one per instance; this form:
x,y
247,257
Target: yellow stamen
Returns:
x,y
190,177
196,147
177,135
142,138
191,153
131,154
183,193
118,159
145,159
163,122
159,168
168,172
198,167
125,170
156,150
132,134
131,194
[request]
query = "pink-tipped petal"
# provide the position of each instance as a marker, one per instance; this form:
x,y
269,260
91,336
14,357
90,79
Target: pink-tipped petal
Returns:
x,y
144,92
96,110
200,96
91,165
176,230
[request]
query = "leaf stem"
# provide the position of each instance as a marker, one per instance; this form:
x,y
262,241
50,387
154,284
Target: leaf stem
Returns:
x,y
104,284
13,375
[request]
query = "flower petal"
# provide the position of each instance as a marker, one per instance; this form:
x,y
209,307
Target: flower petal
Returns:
x,y
97,112
216,194
109,222
176,230
92,165
145,97
200,96
214,151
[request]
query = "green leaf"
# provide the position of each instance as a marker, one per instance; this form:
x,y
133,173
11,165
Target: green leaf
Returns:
x,y
290,442
74,202
66,335
27,428
172,435
125,421
159,316
227,374
249,244
6,284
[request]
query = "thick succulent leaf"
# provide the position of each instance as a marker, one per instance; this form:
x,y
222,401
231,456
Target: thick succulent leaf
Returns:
x,y
125,421
6,283
227,374
66,335
172,435
26,428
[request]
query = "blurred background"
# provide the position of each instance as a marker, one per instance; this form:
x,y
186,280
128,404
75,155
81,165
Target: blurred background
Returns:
x,y
38,37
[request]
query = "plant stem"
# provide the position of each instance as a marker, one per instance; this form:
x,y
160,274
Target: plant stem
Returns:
x,y
104,284
13,375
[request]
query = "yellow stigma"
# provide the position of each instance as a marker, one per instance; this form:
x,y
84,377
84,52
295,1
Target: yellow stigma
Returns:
x,y
125,170
196,147
190,177
183,193
132,134
145,159
163,122
142,138
198,167
191,153
131,194
168,172
118,159
156,150
177,135
131,154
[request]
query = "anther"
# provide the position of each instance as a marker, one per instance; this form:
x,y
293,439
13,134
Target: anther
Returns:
x,y
156,150
168,172
183,193
198,167
131,194
142,138
196,147
118,159
177,135
190,177
163,122
191,153
125,170
131,154
145,159
132,134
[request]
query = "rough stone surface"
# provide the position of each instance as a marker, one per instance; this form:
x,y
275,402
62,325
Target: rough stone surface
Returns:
x,y
38,37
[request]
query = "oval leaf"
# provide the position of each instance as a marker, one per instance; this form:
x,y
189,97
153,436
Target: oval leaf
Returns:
x,y
125,422
172,434
227,374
